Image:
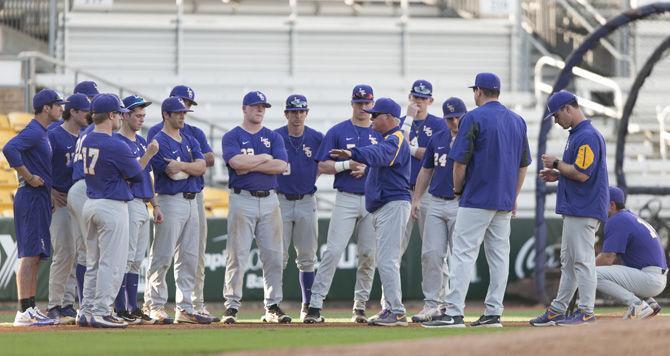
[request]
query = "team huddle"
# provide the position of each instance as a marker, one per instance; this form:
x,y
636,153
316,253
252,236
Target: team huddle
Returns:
x,y
87,178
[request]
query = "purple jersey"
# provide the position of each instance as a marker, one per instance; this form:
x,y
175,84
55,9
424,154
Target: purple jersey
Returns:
x,y
420,134
143,189
108,167
77,163
300,177
437,158
31,148
634,240
188,150
238,141
346,135
63,145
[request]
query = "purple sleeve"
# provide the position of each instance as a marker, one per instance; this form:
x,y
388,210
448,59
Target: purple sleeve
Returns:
x,y
278,148
616,236
126,163
428,161
231,147
328,143
23,141
379,155
196,152
158,162
464,145
199,136
587,154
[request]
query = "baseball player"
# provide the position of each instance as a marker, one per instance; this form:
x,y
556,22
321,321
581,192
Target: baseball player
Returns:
x,y
89,89
188,96
349,214
296,188
491,156
108,167
255,155
63,230
437,171
29,153
176,166
125,304
582,198
644,269
387,198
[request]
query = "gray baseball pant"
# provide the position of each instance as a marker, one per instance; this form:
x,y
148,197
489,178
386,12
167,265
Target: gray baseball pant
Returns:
x,y
198,296
300,226
177,236
252,218
138,241
474,226
578,263
389,221
62,232
628,285
106,253
436,249
76,198
348,216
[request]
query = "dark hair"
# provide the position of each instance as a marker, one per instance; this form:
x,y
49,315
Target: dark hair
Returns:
x,y
490,93
619,206
39,111
67,115
574,104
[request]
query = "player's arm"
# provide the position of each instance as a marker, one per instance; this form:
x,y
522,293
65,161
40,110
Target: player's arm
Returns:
x,y
12,151
206,149
276,165
566,170
523,168
383,154
152,149
127,163
586,160
419,152
606,259
462,150
197,167
238,159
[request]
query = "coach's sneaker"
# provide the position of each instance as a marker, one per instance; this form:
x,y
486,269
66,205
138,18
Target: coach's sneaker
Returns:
x,y
550,318
68,315
358,316
143,318
32,317
274,314
204,312
578,318
128,318
378,315
229,316
445,321
54,314
313,316
108,322
654,306
303,312
184,317
487,321
426,314
639,310
161,316
390,319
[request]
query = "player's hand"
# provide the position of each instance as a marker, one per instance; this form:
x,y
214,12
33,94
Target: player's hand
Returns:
x,y
548,160
357,169
336,153
514,210
158,215
412,109
549,175
173,167
416,206
152,148
59,199
241,172
35,181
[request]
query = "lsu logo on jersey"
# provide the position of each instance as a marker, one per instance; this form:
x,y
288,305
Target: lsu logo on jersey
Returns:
x,y
265,141
372,139
428,131
585,157
307,150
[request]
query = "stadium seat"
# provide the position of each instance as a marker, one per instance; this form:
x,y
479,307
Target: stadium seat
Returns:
x,y
19,120
4,122
8,179
7,202
5,136
215,198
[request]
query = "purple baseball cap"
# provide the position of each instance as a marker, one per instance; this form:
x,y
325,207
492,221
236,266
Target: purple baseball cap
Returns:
x,y
256,98
184,92
487,81
296,102
453,107
133,101
47,96
87,87
385,106
362,93
174,104
422,89
107,102
78,102
617,195
557,100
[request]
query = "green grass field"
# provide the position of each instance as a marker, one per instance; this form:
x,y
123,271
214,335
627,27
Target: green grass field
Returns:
x,y
180,340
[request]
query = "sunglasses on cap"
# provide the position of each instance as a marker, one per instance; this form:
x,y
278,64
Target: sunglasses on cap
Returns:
x,y
375,115
363,95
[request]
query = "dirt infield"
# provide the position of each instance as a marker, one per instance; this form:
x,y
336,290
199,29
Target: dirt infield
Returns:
x,y
608,337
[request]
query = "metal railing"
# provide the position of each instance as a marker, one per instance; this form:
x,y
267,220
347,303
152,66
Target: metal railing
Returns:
x,y
664,132
546,88
30,60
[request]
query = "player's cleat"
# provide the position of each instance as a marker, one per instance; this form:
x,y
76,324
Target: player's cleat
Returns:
x,y
376,316
358,316
445,321
578,318
549,318
54,314
68,315
229,316
426,314
128,318
639,310
83,320
654,306
487,321
161,316
32,317
303,312
313,316
390,319
144,319
184,317
274,314
204,312
108,322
